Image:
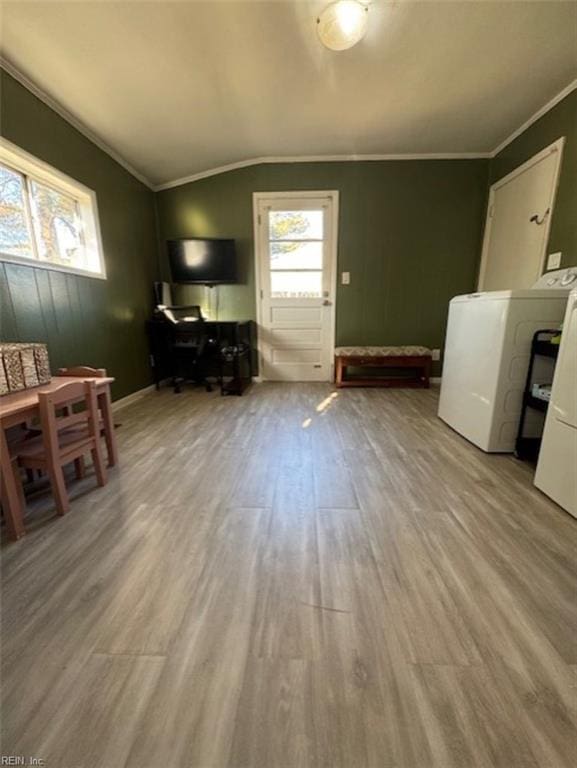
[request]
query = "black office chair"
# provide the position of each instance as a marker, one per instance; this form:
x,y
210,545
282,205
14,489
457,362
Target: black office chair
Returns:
x,y
189,354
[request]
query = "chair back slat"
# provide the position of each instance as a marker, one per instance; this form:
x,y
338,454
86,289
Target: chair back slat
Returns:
x,y
64,393
53,420
83,370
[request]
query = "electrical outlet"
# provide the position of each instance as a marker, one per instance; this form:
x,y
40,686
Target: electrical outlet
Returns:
x,y
345,278
554,260
436,354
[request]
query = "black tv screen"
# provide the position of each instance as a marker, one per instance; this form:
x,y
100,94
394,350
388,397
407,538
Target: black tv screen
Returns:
x,y
205,261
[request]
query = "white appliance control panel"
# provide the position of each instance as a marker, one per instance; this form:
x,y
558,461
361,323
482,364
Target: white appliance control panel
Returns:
x,y
559,278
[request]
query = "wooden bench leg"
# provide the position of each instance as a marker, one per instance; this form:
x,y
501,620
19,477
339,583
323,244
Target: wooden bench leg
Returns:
x,y
339,372
427,374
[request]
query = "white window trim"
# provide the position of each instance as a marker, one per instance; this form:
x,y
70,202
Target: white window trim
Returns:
x,y
33,168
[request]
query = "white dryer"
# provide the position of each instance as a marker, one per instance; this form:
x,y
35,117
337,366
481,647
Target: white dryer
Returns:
x,y
486,356
557,466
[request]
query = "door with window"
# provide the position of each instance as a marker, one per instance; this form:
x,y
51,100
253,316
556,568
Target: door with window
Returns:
x,y
296,261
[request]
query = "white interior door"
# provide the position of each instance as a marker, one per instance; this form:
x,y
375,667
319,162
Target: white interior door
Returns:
x,y
296,262
518,221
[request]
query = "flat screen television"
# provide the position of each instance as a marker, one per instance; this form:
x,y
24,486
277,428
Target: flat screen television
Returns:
x,y
205,261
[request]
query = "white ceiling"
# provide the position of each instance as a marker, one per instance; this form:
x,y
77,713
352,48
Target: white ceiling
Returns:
x,y
177,88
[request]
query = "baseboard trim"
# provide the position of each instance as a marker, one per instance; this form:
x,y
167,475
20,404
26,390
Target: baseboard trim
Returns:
x,y
132,398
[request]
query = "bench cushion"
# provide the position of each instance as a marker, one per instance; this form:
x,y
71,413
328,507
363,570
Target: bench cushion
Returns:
x,y
408,351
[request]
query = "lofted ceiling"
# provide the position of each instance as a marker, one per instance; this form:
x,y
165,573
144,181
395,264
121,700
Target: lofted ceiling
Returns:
x,y
178,88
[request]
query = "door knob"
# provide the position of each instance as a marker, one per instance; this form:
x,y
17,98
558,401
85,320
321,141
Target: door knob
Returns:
x,y
327,303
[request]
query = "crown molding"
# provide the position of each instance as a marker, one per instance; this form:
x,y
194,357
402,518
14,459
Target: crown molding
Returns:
x,y
91,136
533,119
70,118
319,159
367,158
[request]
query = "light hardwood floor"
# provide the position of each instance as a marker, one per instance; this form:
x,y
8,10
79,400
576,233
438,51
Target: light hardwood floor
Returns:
x,y
294,578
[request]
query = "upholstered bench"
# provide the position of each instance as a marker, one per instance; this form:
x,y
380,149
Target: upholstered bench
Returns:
x,y
417,358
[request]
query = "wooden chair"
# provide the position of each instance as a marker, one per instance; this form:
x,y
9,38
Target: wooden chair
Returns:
x,y
63,440
85,371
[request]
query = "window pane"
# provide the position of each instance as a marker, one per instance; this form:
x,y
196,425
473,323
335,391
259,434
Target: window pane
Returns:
x,y
292,285
14,234
295,225
57,226
295,255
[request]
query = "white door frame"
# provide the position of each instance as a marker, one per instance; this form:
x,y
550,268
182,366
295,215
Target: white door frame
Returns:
x,y
555,148
257,198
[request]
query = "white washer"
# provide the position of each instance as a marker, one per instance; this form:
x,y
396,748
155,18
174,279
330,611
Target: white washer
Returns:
x,y
557,466
487,352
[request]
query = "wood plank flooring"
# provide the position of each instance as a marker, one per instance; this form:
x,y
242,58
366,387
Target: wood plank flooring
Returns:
x,y
291,579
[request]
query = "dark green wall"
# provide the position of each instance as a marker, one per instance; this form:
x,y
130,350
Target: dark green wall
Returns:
x,y
409,234
559,121
83,320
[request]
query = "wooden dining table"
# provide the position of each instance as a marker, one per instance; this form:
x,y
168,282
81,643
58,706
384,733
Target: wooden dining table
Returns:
x,y
23,407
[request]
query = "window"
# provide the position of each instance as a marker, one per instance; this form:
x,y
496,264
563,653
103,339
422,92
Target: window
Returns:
x,y
46,218
296,253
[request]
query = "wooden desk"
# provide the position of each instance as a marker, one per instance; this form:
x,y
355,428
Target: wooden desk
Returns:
x,y
21,407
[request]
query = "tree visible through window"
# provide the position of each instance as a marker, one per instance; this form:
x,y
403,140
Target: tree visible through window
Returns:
x,y
14,232
57,225
45,217
296,253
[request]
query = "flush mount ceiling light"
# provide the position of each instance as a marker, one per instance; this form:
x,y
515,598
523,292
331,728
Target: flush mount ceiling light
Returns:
x,y
342,24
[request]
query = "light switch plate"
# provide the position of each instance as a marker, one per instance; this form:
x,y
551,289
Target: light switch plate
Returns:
x,y
345,278
554,260
436,354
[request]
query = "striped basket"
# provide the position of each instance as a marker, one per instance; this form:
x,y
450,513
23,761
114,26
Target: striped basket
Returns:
x,y
23,366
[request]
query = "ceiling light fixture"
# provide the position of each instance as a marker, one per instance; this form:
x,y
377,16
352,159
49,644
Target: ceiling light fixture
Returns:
x,y
342,24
